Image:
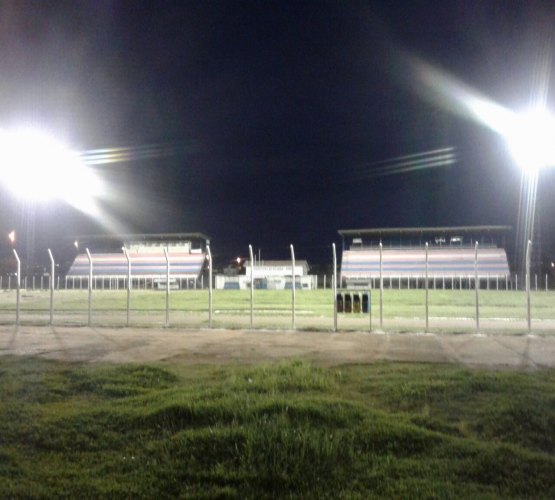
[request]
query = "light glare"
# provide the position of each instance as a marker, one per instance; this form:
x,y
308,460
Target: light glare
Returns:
x,y
37,167
531,140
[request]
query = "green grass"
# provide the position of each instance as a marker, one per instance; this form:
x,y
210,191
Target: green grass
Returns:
x,y
290,430
272,308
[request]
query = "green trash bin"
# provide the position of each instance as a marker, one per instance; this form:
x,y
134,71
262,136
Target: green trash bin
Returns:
x,y
348,303
356,303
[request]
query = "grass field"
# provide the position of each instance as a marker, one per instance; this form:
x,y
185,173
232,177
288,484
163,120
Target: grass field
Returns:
x,y
291,430
272,309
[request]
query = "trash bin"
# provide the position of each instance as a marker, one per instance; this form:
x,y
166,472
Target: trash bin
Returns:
x,y
356,303
366,302
348,303
339,303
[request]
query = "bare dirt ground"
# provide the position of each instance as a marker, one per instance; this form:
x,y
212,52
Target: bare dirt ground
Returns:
x,y
219,346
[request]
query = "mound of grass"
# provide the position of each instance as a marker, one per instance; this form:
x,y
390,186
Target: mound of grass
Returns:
x,y
286,430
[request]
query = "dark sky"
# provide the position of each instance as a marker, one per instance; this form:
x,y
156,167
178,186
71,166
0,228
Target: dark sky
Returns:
x,y
275,113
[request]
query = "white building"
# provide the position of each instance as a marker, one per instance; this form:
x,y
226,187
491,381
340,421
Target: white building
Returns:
x,y
270,275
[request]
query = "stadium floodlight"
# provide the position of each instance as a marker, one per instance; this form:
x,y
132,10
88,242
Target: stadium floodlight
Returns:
x,y
530,136
531,140
37,167
11,236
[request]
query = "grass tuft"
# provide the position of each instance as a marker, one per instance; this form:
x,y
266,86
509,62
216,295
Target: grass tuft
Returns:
x,y
288,430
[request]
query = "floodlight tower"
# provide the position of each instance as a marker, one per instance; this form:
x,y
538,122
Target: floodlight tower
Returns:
x,y
531,141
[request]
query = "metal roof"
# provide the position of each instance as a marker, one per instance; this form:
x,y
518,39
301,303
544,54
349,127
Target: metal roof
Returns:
x,y
423,230
144,236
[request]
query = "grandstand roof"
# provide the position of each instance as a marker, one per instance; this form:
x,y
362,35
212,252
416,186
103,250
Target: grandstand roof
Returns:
x,y
144,236
423,230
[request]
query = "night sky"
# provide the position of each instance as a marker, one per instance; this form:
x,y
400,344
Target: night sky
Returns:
x,y
274,121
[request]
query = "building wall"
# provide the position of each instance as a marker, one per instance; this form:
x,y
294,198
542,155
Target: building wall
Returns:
x,y
243,282
272,271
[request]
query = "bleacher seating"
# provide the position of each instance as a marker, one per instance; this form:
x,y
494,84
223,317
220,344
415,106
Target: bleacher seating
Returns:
x,y
182,264
410,262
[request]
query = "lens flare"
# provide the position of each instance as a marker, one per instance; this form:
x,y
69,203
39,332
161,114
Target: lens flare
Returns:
x,y
36,167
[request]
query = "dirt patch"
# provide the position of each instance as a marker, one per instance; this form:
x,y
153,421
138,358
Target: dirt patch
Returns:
x,y
204,346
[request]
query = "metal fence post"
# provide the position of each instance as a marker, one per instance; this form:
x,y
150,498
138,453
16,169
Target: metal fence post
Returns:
x,y
252,285
476,286
52,271
18,283
126,253
89,316
292,287
334,288
427,324
209,286
528,305
167,286
381,286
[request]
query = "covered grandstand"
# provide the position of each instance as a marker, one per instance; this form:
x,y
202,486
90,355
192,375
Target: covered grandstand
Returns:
x,y
451,256
186,255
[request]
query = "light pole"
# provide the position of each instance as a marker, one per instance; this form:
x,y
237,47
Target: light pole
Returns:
x,y
531,140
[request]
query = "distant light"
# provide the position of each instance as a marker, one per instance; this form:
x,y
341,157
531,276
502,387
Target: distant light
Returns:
x,y
37,167
11,236
238,260
76,244
553,264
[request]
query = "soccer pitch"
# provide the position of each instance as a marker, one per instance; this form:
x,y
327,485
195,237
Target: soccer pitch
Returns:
x,y
402,310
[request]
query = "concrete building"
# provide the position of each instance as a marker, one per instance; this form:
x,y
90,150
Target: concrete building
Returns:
x,y
270,275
